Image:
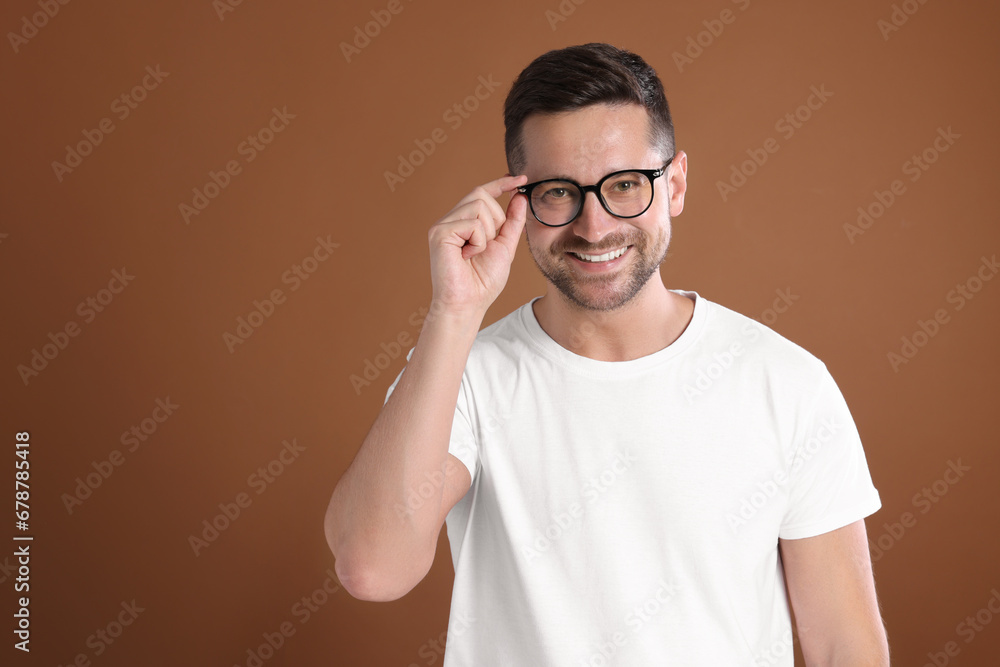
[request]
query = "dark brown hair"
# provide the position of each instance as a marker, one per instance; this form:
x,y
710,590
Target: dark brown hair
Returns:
x,y
578,76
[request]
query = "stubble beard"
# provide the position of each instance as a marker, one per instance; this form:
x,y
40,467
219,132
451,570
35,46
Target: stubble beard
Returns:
x,y
603,293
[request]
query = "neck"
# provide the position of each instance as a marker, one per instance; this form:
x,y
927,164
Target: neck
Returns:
x,y
649,322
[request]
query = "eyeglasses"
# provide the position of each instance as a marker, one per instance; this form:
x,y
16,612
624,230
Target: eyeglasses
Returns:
x,y
556,202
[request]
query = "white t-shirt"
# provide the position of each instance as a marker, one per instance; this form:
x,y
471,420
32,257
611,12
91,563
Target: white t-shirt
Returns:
x,y
628,513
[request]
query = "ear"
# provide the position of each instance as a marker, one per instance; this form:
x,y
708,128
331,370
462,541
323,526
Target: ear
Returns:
x,y
677,181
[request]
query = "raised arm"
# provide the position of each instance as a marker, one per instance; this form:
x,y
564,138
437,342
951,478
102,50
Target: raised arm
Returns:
x,y
382,552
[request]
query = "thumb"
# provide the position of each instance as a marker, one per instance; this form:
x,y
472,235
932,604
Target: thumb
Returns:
x,y
510,231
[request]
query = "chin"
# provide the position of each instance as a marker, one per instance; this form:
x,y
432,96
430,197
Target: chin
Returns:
x,y
600,298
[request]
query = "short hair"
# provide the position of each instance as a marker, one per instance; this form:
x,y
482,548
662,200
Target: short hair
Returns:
x,y
579,76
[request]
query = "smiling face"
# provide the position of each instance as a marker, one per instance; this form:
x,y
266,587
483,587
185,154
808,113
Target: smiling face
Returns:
x,y
600,262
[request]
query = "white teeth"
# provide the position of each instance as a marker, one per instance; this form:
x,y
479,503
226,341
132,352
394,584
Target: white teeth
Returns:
x,y
602,258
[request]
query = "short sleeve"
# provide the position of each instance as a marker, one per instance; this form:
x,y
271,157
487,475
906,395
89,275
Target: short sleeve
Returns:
x,y
462,444
830,485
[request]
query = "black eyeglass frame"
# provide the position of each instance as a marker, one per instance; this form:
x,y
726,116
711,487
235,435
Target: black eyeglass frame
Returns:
x,y
651,174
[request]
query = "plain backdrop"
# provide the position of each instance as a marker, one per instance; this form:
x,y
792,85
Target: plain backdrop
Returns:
x,y
244,175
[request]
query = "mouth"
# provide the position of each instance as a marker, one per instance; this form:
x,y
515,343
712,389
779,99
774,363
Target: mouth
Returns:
x,y
605,263
600,259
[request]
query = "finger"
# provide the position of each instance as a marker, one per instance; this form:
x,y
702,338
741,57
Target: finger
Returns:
x,y
488,193
511,229
477,197
463,233
476,242
491,216
504,184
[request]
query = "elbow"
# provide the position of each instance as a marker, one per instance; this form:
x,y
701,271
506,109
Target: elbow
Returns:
x,y
368,578
366,583
369,586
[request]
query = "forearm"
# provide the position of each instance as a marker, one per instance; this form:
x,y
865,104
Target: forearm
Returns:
x,y
371,529
853,658
858,646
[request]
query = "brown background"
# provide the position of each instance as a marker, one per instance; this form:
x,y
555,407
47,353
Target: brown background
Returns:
x,y
324,176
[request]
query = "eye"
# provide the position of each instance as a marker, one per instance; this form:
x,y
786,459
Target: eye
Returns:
x,y
630,183
624,186
557,192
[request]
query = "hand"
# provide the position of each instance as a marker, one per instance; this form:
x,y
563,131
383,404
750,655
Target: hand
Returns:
x,y
472,248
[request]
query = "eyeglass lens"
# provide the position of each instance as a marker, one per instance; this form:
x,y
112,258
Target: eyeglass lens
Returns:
x,y
557,202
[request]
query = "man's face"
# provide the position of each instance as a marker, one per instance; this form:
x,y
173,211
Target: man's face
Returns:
x,y
584,146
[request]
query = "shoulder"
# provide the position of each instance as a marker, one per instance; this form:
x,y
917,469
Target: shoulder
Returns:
x,y
508,338
510,330
759,347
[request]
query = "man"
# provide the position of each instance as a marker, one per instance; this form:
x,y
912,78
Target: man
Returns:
x,y
630,475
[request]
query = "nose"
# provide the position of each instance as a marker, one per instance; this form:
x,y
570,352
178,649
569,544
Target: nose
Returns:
x,y
593,223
